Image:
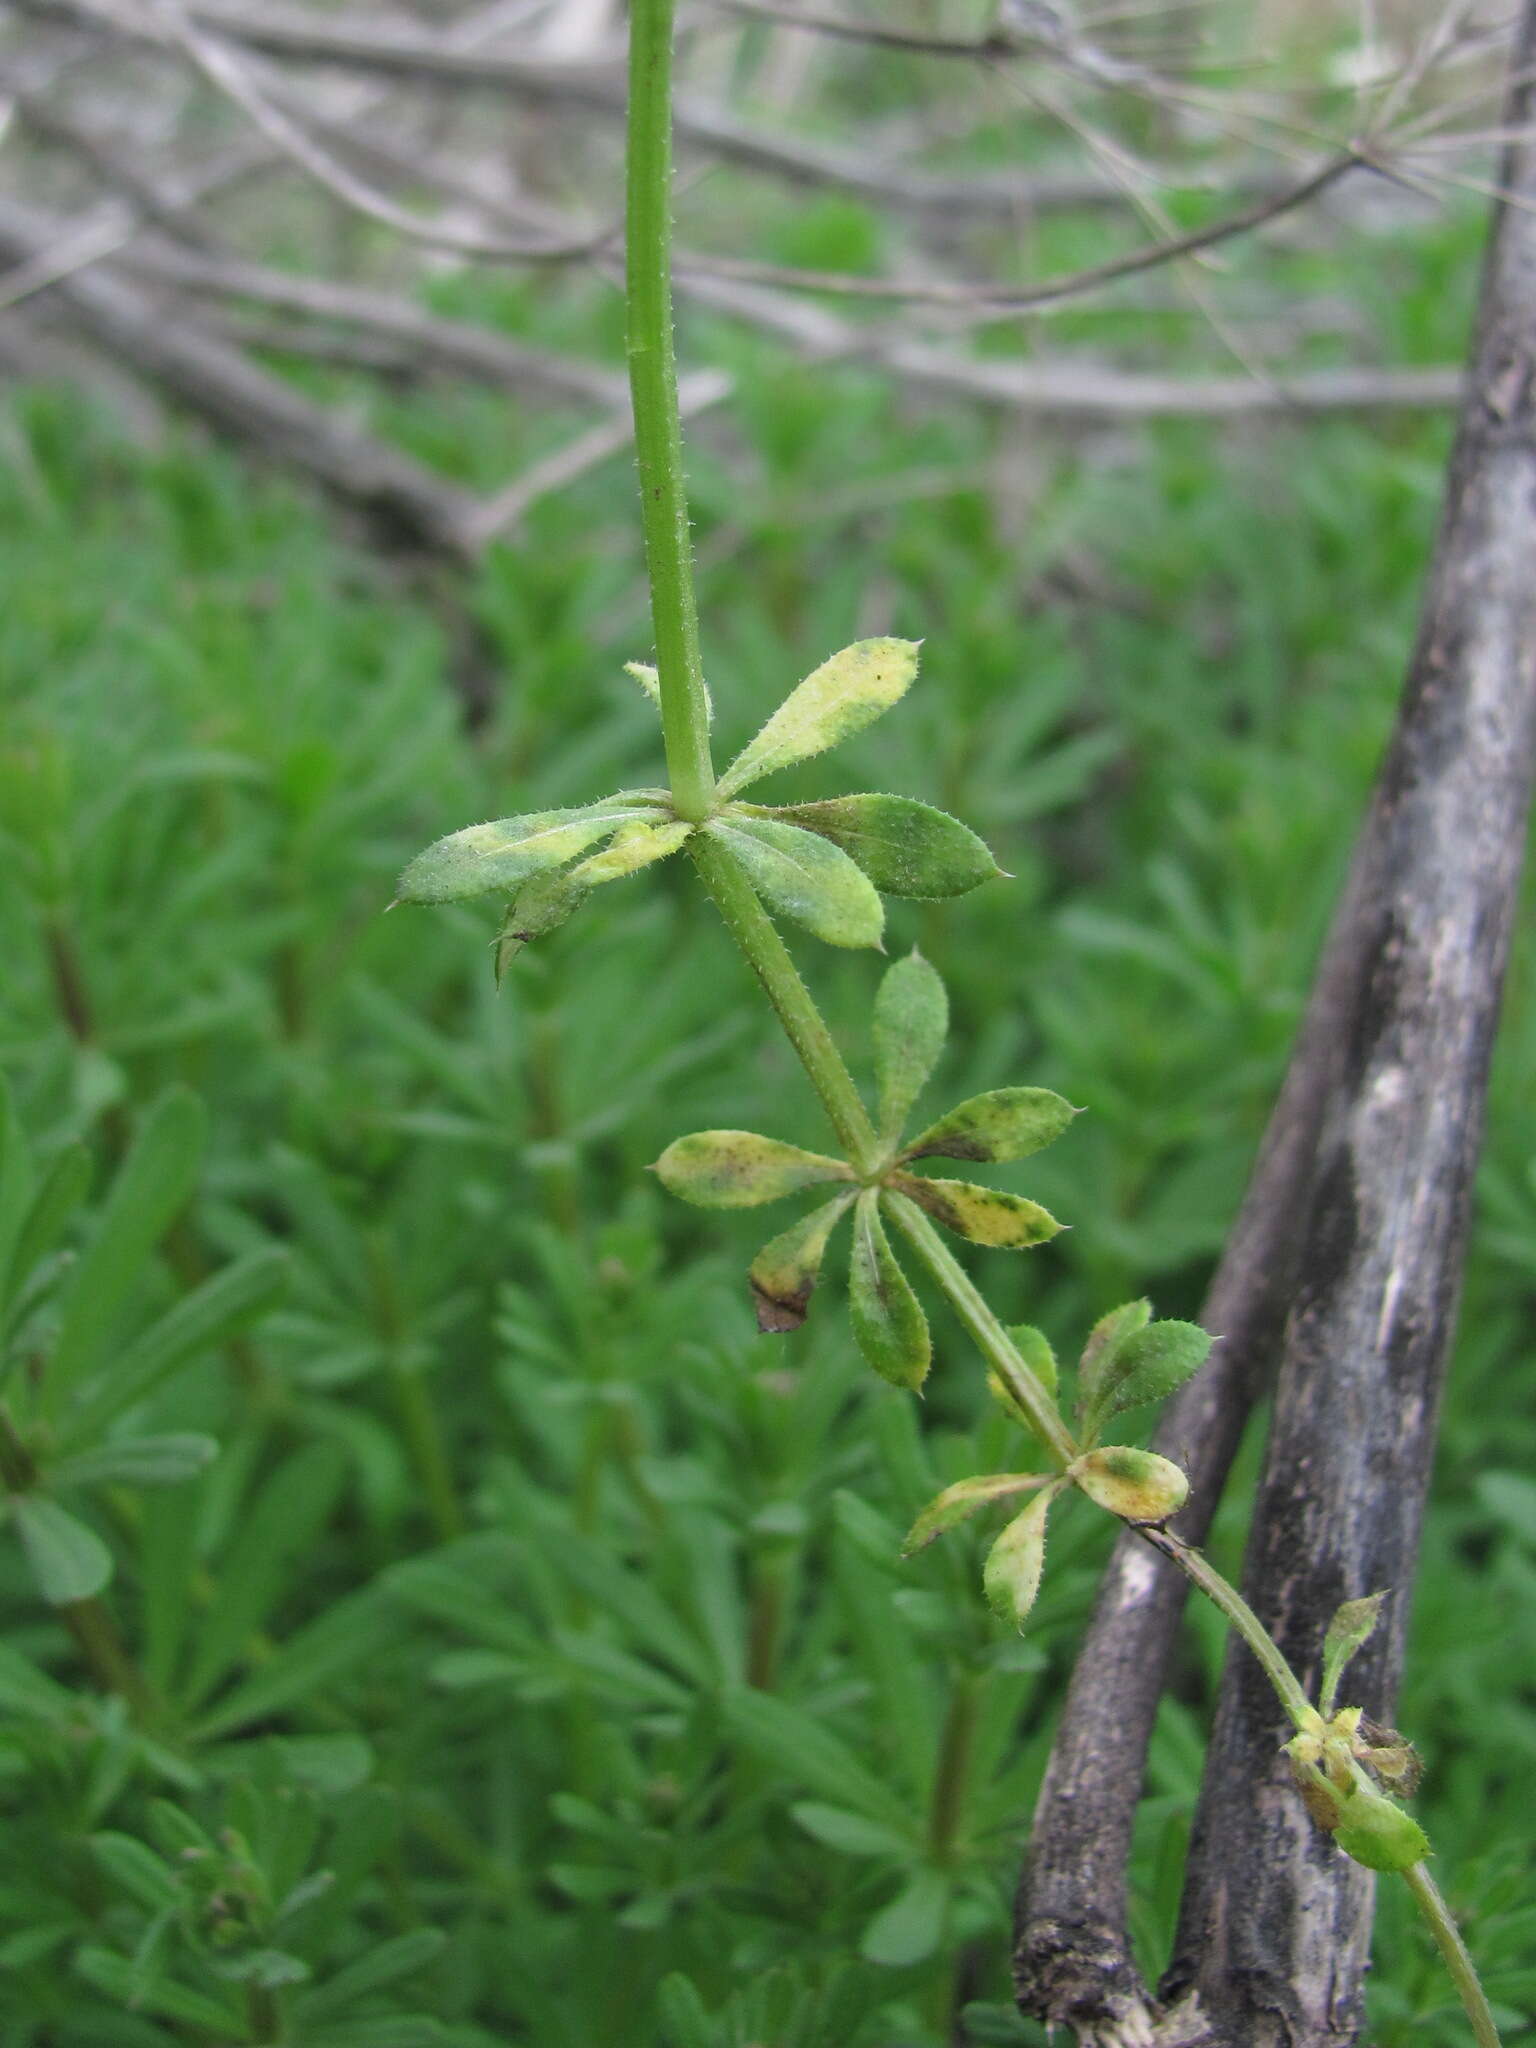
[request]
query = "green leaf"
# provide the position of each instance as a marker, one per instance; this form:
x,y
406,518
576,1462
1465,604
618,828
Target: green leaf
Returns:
x,y
69,1561
911,1927
1350,1629
959,1502
911,1024
802,1746
209,1316
739,1169
499,855
850,1833
138,1461
1149,1364
26,1690
1005,1123
384,1963
806,878
634,847
1011,1576
847,692
888,1321
984,1215
783,1276
684,2017
1034,1347
1106,1339
136,1870
61,1193
1138,1486
541,906
906,848
351,1631
118,1978
154,1182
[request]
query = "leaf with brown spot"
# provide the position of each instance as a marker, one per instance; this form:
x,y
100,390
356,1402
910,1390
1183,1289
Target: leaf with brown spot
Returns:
x,y
783,1276
1005,1123
984,1215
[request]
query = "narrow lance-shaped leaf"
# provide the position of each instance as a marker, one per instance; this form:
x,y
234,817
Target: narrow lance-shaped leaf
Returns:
x,y
1136,1485
906,848
138,1461
888,1321
984,1215
1011,1576
1150,1364
784,1273
62,1190
499,855
806,878
69,1561
1005,1123
154,1182
910,1026
847,692
959,1502
1350,1629
739,1169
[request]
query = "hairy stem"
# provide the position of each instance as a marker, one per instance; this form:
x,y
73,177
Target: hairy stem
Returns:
x,y
658,429
993,1341
768,956
1457,1959
1240,1618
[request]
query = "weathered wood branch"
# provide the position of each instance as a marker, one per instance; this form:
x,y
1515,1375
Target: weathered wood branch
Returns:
x,y
1276,1925
398,494
1359,1205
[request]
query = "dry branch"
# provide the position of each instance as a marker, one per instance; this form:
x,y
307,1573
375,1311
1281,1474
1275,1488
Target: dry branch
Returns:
x,y
1358,1211
397,494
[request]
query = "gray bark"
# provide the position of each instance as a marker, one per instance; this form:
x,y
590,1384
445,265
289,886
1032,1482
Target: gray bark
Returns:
x,y
1359,1208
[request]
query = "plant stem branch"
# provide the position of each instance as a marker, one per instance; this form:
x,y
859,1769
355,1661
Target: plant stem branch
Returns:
x,y
768,956
994,1342
1240,1618
1457,1958
658,429
110,1661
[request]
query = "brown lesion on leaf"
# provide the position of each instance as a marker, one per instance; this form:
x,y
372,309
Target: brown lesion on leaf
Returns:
x,y
778,1313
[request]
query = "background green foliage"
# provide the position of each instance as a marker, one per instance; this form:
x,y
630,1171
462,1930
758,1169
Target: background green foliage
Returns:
x,y
535,1660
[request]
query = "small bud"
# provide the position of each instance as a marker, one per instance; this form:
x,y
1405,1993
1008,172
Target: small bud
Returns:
x,y
1138,1486
1379,1834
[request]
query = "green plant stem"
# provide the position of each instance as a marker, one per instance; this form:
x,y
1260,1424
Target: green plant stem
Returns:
x,y
768,956
658,427
946,1806
1458,1959
108,1657
993,1341
1241,1617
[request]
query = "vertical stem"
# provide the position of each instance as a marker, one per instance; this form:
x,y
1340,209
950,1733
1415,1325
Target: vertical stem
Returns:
x,y
658,428
994,1342
952,1768
112,1665
1457,1959
768,956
